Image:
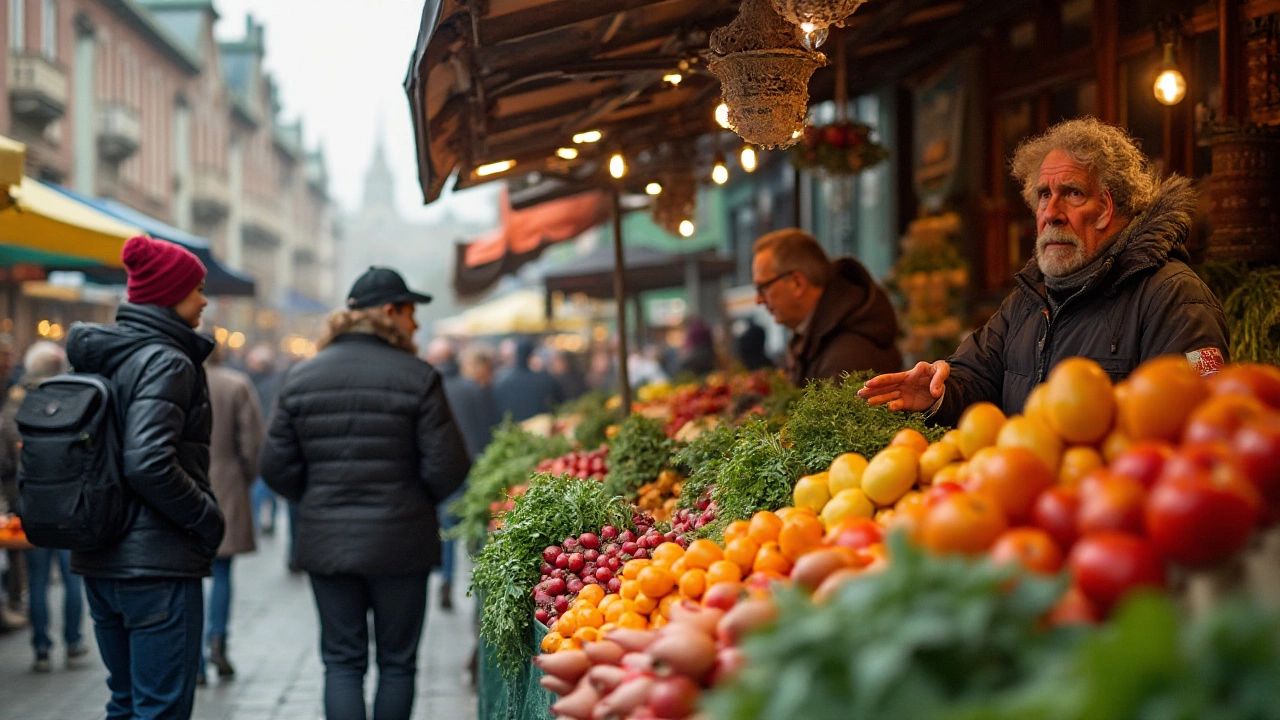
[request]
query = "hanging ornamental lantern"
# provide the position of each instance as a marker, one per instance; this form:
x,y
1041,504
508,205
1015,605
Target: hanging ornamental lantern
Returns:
x,y
815,17
677,202
764,74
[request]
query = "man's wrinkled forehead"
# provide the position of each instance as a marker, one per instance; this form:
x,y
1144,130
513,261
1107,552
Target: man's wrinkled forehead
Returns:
x,y
1061,170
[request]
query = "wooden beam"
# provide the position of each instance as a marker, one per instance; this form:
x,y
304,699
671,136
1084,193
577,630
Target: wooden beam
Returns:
x,y
1230,58
550,16
1106,37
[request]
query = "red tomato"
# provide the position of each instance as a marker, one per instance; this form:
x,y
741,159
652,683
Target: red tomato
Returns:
x,y
1107,565
1073,608
1260,381
854,533
1032,548
1142,461
1257,451
1219,417
1204,509
1109,502
1055,512
940,491
1012,476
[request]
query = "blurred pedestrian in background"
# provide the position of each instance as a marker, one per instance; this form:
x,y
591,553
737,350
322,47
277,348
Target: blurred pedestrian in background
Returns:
x,y
234,444
698,354
363,439
12,612
565,369
473,411
524,392
42,361
260,363
749,348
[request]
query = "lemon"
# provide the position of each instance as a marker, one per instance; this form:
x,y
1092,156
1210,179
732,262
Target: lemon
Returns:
x,y
811,492
847,503
846,472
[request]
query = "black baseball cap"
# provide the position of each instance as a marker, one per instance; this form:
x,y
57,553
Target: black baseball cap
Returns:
x,y
382,286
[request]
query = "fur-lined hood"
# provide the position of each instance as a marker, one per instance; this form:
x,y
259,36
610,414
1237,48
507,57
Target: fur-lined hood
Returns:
x,y
369,321
1150,240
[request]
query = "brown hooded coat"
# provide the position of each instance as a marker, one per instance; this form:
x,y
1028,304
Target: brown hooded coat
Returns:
x,y
853,328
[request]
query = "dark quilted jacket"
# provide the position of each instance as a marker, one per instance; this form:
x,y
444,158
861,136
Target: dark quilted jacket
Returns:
x,y
1140,302
157,365
364,440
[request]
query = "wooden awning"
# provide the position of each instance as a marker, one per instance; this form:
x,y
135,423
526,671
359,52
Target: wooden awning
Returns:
x,y
646,269
515,80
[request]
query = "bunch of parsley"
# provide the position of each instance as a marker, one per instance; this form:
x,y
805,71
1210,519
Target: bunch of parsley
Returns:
x,y
636,456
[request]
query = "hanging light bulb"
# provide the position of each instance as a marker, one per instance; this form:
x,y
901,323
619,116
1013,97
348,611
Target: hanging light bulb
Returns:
x,y
653,188
1170,86
567,153
674,78
589,136
720,171
617,166
748,159
687,228
495,168
722,116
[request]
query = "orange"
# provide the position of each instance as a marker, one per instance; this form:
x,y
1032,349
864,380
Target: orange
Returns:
x,y
1077,462
587,634
658,621
771,560
913,439
701,554
592,594
962,522
656,581
892,472
1034,407
631,570
617,610
723,571
846,472
566,623
693,583
979,426
1114,444
630,589
645,604
764,527
632,621
936,457
609,601
910,500
800,535
742,552
1079,401
737,529
551,642
607,628
786,513
569,644
952,473
1013,477
590,617
1159,398
664,605
1034,435
679,566
666,554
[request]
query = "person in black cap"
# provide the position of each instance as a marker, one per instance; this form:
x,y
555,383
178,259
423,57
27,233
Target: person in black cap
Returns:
x,y
364,440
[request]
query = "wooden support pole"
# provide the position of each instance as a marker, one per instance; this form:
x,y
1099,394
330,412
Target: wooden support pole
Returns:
x,y
620,296
1229,60
1106,33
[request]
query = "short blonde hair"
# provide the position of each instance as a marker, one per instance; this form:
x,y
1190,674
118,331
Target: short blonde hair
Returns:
x,y
1106,150
795,250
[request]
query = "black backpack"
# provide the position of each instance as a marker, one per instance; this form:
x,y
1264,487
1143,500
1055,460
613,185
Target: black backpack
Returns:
x,y
71,489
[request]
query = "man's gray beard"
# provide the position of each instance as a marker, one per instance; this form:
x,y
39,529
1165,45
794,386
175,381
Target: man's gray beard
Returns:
x,y
1058,265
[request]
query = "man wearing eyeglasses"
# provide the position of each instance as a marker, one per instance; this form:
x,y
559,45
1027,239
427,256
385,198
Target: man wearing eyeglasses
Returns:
x,y
841,319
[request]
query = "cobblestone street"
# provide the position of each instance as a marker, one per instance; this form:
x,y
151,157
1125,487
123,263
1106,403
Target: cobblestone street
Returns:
x,y
273,645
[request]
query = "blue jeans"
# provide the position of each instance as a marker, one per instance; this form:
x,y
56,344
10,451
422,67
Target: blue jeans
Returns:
x,y
219,600
399,607
262,495
39,564
447,521
293,532
149,635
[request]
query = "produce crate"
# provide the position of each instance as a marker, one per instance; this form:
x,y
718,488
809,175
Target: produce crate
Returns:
x,y
523,699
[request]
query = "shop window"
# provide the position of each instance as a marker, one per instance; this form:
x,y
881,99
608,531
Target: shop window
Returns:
x,y
1206,92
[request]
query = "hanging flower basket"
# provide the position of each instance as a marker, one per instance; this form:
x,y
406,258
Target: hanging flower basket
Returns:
x,y
815,16
843,148
764,74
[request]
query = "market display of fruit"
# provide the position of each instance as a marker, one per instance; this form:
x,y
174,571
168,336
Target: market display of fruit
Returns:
x,y
1096,495
591,465
11,533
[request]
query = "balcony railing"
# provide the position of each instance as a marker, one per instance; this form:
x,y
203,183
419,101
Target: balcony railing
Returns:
x,y
37,88
119,132
210,196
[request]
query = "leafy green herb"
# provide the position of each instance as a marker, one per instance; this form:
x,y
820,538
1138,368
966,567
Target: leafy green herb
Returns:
x,y
700,461
508,461
903,644
1253,317
595,418
830,419
758,475
552,509
637,455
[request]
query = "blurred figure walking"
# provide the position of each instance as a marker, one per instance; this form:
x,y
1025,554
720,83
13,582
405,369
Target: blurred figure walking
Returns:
x,y
233,465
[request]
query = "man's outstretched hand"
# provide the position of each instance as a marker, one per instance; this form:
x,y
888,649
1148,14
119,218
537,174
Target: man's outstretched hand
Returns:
x,y
914,390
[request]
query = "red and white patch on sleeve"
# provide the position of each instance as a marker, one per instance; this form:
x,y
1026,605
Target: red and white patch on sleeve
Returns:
x,y
1206,361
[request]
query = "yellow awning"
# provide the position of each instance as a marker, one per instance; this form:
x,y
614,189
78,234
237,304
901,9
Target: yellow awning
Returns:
x,y
42,219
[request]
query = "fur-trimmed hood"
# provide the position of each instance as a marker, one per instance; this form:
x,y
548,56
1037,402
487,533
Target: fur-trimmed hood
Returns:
x,y
1152,238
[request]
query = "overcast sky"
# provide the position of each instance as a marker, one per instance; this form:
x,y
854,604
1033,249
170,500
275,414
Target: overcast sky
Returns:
x,y
340,66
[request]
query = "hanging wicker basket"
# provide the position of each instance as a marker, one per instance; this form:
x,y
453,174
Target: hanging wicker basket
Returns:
x,y
678,201
815,16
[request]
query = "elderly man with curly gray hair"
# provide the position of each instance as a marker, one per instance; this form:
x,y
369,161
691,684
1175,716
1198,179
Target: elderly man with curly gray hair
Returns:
x,y
1109,281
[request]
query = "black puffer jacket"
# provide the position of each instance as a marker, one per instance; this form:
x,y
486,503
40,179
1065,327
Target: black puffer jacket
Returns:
x,y
1137,301
853,328
364,440
157,365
